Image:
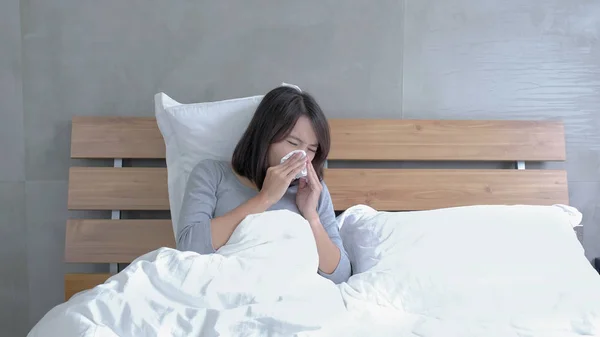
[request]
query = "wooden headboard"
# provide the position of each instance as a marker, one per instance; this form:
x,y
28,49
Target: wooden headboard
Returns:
x,y
145,188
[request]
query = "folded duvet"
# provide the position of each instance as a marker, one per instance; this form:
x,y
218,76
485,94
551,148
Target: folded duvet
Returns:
x,y
264,282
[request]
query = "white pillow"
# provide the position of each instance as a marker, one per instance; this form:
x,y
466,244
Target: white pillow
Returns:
x,y
372,237
198,131
514,265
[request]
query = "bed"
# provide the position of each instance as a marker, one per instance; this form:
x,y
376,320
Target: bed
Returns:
x,y
140,188
515,145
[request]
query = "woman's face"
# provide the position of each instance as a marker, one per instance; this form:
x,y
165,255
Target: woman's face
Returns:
x,y
302,137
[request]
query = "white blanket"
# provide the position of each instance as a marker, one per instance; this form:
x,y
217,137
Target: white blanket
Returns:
x,y
264,282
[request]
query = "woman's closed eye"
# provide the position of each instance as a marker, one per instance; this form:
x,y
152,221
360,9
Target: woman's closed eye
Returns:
x,y
296,143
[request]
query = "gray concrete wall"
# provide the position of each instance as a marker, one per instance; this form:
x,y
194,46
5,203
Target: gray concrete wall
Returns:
x,y
394,59
14,291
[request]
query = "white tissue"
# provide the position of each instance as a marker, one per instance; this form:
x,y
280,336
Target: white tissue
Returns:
x,y
302,173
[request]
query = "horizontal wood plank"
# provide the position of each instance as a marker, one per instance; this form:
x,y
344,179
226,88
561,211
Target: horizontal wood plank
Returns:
x,y
115,241
116,137
384,189
446,140
108,188
354,139
408,190
75,283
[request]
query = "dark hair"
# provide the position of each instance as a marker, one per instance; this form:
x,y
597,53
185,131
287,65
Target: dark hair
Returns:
x,y
273,121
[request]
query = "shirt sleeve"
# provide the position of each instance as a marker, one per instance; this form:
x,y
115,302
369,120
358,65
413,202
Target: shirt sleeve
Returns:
x,y
197,210
327,216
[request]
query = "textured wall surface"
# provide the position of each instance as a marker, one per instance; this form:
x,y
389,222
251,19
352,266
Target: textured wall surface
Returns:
x,y
513,59
14,291
374,59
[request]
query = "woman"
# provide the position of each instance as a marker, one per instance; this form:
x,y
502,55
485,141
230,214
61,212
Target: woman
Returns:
x,y
219,195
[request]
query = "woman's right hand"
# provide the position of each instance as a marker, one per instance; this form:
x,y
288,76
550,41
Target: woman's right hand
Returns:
x,y
279,178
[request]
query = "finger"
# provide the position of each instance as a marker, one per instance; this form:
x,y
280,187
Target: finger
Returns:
x,y
291,161
291,171
285,166
302,184
312,174
296,160
296,169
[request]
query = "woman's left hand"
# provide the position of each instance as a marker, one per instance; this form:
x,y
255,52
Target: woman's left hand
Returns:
x,y
309,192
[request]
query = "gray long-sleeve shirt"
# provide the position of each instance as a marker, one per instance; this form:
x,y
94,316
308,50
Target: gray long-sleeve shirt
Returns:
x,y
213,190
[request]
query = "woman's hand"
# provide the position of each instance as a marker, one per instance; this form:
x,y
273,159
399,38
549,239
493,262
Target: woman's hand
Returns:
x,y
280,177
309,192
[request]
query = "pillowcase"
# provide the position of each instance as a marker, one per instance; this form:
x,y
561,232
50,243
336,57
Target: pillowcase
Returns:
x,y
374,238
514,265
198,131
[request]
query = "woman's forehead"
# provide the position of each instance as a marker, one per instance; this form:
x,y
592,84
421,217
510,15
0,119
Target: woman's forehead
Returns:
x,y
303,130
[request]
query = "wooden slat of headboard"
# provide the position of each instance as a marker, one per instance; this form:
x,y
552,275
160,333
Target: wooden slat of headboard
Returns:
x,y
108,188
116,137
115,241
384,189
75,283
354,139
413,190
447,140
